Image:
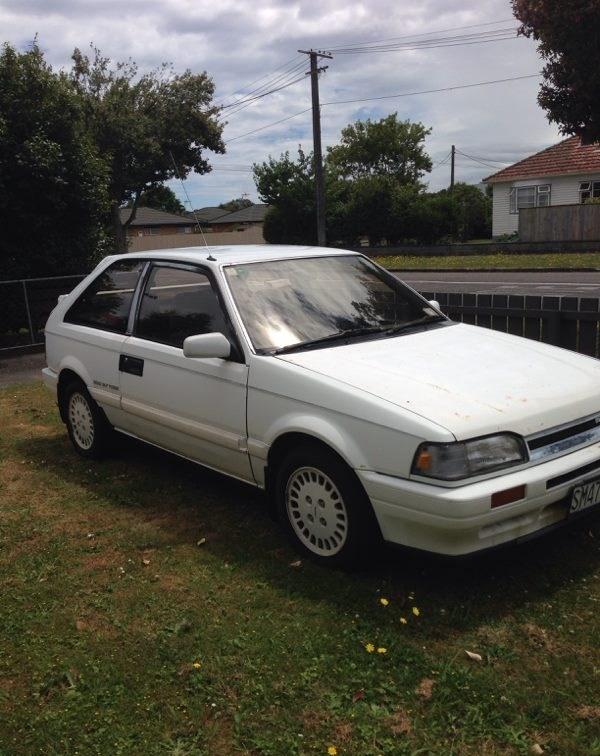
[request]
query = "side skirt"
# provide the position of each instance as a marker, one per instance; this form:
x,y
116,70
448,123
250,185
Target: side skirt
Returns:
x,y
253,484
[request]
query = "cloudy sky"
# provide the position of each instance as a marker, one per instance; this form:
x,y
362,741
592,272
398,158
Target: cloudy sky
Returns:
x,y
246,45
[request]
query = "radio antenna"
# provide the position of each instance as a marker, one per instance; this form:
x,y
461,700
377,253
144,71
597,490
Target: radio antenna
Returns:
x,y
187,197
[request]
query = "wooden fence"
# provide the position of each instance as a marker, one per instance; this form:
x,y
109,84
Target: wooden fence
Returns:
x,y
559,223
568,322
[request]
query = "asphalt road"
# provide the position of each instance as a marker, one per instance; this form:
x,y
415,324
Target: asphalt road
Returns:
x,y
574,284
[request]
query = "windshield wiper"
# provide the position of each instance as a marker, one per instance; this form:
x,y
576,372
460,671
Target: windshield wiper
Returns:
x,y
412,323
338,335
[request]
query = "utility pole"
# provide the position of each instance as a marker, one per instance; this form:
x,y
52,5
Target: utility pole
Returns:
x,y
317,150
453,154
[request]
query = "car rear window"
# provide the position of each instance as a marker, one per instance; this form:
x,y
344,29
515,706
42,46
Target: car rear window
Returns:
x,y
107,300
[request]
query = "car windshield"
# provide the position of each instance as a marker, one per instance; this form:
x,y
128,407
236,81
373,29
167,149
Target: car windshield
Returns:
x,y
290,302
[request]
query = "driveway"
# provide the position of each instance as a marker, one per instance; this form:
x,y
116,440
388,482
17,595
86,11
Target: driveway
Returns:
x,y
23,368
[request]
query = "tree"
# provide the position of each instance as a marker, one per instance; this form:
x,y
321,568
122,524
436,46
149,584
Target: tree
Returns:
x,y
568,33
148,127
160,197
53,184
236,204
472,212
387,147
288,186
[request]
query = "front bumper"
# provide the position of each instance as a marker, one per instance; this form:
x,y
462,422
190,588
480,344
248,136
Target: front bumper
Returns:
x,y
458,521
50,379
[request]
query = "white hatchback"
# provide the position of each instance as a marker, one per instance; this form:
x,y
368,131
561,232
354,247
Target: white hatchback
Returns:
x,y
317,375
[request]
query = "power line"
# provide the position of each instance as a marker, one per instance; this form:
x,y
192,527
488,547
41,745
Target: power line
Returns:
x,y
270,86
432,91
264,94
485,159
441,162
425,34
384,97
475,160
428,44
266,76
268,125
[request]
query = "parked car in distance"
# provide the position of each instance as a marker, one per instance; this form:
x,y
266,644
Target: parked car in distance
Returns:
x,y
315,374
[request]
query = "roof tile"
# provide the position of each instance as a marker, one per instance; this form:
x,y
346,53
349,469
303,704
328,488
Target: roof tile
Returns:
x,y
568,156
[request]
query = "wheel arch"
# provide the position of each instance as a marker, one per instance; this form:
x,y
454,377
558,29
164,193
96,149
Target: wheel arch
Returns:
x,y
66,376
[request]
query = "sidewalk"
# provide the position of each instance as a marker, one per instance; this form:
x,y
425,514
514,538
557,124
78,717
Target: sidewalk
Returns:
x,y
22,368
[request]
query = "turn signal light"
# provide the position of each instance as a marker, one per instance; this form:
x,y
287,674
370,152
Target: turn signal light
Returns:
x,y
508,496
423,461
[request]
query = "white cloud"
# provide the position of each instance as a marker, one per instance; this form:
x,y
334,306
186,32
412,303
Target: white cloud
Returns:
x,y
237,41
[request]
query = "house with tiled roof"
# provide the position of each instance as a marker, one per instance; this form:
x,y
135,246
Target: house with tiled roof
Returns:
x,y
151,222
568,173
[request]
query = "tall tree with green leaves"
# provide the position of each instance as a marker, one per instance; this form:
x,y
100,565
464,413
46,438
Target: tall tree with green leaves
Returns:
x,y
287,185
148,127
388,147
569,39
53,183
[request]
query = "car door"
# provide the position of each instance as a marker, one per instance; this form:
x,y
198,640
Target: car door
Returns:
x,y
195,407
94,329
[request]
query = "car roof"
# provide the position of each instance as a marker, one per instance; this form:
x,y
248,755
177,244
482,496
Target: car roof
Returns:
x,y
228,255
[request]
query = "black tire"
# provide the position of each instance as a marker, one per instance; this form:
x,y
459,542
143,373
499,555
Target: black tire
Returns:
x,y
88,428
354,537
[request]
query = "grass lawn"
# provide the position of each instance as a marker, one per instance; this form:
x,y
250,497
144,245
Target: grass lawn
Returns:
x,y
477,262
151,607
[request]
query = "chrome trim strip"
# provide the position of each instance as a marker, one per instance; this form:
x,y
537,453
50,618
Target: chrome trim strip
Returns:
x,y
565,445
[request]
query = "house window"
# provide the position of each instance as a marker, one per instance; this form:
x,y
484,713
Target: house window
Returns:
x,y
529,196
589,190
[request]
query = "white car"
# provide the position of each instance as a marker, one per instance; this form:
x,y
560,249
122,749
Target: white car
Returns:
x,y
315,374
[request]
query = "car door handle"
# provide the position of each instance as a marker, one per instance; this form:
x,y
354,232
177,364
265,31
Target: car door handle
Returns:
x,y
129,364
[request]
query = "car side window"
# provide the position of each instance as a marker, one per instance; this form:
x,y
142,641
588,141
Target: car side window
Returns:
x,y
107,300
178,303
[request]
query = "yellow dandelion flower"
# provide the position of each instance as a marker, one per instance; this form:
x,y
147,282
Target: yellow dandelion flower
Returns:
x,y
403,620
196,665
370,648
384,601
332,751
382,650
416,611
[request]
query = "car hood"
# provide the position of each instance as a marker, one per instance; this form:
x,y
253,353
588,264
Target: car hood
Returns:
x,y
470,380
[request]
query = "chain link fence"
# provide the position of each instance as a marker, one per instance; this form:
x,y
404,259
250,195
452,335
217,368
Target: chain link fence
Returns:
x,y
24,308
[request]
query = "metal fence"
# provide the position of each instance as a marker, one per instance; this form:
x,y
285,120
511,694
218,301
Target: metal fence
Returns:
x,y
24,308
568,322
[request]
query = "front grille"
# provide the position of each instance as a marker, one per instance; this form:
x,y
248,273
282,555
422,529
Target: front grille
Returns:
x,y
566,438
560,480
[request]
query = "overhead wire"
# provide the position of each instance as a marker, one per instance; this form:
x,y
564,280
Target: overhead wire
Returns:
x,y
264,94
424,34
385,97
427,44
266,76
271,84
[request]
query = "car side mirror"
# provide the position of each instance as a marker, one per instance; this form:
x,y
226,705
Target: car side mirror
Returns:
x,y
206,345
435,304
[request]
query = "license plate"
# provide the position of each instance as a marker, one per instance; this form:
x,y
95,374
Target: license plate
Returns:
x,y
585,496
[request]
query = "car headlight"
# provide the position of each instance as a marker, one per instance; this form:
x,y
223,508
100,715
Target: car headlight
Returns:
x,y
465,459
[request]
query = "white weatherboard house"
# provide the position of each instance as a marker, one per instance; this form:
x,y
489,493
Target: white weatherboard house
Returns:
x,y
568,173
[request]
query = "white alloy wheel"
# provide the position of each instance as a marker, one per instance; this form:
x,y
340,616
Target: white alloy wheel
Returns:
x,y
316,511
81,420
